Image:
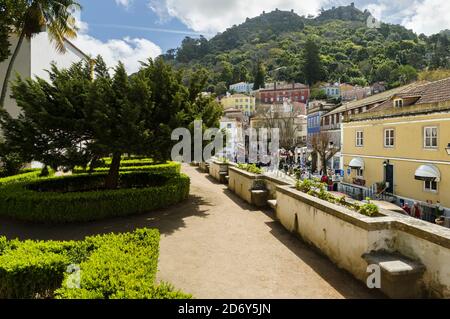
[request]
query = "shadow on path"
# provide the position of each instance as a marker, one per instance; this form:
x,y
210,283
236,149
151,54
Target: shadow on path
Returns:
x,y
167,220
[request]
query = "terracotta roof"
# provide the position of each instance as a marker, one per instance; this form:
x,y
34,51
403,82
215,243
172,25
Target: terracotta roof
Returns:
x,y
434,92
429,93
374,99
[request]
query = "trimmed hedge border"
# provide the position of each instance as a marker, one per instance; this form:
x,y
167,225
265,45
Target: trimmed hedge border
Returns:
x,y
113,266
168,168
18,201
27,175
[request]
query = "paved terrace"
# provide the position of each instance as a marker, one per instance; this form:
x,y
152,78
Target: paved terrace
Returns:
x,y
217,246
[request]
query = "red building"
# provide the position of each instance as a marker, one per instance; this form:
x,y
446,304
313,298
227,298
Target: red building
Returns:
x,y
277,93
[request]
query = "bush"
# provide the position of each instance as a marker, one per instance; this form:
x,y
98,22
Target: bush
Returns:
x,y
251,168
75,200
168,168
24,176
112,266
317,189
128,162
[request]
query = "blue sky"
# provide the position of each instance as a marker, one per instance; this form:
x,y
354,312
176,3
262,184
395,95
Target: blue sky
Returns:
x,y
134,30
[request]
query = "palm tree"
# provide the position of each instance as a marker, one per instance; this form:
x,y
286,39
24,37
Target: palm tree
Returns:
x,y
39,14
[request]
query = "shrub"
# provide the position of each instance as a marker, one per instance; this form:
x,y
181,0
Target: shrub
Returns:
x,y
251,168
33,269
317,189
112,266
127,162
35,201
21,177
167,168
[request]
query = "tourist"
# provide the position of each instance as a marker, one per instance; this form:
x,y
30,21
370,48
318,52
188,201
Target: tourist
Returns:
x,y
406,208
416,211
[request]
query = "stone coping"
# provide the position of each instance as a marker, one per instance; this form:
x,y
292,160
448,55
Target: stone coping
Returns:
x,y
276,180
245,173
390,220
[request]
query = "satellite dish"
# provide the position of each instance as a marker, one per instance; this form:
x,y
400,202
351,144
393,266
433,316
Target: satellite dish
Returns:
x,y
373,23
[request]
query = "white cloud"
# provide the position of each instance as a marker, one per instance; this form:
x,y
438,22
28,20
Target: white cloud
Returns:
x,y
216,16
129,51
125,3
429,16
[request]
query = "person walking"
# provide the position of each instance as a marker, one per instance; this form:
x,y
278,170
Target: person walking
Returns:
x,y
416,211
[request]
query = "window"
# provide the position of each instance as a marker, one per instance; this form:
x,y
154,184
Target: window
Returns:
x,y
389,138
229,125
398,103
359,172
430,186
431,137
359,138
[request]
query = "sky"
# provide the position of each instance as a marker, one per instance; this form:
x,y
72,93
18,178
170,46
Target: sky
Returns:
x,y
135,30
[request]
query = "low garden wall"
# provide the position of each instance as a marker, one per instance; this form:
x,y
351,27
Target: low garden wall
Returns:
x,y
345,236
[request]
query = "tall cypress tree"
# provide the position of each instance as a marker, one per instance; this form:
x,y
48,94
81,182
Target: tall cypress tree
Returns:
x,y
259,75
312,70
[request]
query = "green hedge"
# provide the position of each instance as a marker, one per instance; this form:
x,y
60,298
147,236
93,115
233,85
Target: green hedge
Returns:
x,y
26,175
27,201
168,168
112,266
128,162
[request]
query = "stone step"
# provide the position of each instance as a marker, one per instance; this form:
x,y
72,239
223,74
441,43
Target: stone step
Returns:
x,y
272,203
400,276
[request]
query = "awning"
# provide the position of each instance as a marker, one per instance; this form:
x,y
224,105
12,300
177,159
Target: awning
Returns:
x,y
428,173
356,163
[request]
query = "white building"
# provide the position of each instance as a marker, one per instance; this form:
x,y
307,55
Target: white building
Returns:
x,y
33,59
241,87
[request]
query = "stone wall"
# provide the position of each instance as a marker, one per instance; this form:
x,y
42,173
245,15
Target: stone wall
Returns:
x,y
344,236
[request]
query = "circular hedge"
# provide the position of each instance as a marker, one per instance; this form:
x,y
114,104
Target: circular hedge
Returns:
x,y
81,197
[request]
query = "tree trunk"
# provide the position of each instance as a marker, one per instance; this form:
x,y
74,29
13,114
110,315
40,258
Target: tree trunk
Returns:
x,y
112,180
10,68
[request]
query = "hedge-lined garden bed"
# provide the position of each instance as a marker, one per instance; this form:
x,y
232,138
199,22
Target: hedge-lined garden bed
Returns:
x,y
112,266
80,197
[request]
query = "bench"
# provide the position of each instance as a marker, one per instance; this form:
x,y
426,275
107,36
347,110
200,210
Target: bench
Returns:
x,y
223,177
272,203
259,197
400,276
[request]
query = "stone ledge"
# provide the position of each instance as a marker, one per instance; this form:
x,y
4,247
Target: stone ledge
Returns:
x,y
391,221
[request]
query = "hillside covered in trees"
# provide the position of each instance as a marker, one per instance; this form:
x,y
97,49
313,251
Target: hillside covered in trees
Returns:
x,y
350,50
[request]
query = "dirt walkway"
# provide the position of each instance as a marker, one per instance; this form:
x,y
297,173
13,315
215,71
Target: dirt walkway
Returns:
x,y
217,246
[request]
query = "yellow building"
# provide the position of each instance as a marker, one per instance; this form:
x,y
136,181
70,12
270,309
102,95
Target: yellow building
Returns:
x,y
403,145
242,102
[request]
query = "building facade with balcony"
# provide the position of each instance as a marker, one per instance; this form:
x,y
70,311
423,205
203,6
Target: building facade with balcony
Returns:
x,y
403,146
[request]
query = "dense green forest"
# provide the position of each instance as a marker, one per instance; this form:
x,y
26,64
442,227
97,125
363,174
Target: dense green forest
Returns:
x,y
350,50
